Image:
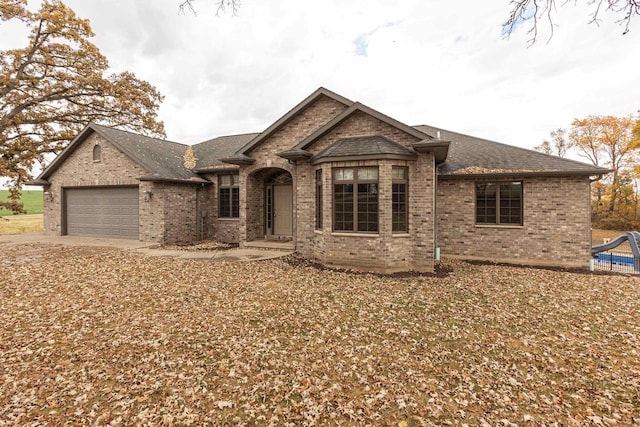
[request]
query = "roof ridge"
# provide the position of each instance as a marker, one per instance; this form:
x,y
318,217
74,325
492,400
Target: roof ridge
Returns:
x,y
226,136
291,113
108,128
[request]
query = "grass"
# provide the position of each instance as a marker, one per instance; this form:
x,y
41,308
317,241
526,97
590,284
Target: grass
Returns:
x,y
32,202
18,224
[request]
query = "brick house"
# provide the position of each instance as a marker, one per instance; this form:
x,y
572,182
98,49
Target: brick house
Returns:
x,y
346,184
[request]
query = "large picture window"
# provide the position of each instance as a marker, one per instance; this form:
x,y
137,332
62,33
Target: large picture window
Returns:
x,y
319,199
229,196
499,203
355,199
399,218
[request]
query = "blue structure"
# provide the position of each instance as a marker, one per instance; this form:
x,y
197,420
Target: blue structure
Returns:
x,y
633,237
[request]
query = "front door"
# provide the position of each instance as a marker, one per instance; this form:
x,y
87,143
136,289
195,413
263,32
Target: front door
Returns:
x,y
283,210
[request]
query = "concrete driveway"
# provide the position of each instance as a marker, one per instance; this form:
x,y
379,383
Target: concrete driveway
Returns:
x,y
40,237
151,249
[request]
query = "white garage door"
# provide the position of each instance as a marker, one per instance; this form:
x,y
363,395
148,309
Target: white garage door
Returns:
x,y
102,212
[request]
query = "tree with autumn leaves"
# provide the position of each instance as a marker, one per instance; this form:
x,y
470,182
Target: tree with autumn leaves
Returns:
x,y
55,85
612,142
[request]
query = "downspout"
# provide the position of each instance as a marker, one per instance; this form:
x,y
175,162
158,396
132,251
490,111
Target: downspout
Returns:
x,y
295,205
198,215
591,180
591,260
436,248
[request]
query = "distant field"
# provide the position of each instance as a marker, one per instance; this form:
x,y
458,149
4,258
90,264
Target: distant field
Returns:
x,y
32,202
18,224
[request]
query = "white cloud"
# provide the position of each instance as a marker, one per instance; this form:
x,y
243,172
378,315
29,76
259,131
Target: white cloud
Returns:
x,y
437,62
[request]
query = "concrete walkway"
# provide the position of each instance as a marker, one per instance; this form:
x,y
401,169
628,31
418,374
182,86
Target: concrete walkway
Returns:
x,y
225,255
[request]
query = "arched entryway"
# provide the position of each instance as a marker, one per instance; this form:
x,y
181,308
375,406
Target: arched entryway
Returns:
x,y
270,205
279,202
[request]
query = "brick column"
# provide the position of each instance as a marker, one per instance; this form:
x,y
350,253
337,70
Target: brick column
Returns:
x,y
422,212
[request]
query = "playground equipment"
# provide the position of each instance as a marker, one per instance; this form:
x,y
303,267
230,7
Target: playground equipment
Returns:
x,y
633,237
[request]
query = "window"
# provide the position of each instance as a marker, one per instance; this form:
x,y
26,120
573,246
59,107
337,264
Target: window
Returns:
x,y
229,195
97,153
399,218
499,203
269,207
319,199
355,199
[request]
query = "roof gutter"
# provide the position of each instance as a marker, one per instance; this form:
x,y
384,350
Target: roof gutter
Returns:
x,y
39,182
157,178
516,173
239,159
213,170
439,148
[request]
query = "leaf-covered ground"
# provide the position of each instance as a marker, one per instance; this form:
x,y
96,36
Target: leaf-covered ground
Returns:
x,y
103,337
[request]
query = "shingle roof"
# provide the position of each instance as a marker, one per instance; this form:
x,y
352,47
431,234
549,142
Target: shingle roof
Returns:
x,y
163,159
469,155
363,146
209,153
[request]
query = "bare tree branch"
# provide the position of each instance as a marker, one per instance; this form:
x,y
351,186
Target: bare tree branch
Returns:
x,y
533,12
222,6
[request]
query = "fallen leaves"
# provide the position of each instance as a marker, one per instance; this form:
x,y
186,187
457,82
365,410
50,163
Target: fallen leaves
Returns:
x,y
101,337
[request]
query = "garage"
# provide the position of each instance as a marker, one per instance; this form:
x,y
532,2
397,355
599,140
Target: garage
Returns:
x,y
102,212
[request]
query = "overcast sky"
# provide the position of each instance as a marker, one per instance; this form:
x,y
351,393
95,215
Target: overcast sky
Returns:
x,y
437,62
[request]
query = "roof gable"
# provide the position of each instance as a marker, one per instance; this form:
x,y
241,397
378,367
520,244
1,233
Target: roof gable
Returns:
x,y
282,121
164,160
69,149
358,107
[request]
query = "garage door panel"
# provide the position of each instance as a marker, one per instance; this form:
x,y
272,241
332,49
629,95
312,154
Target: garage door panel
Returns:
x,y
102,212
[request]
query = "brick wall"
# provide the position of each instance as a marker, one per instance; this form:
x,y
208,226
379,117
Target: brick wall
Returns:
x,y
221,229
302,125
251,224
360,124
180,225
152,218
167,217
170,215
384,251
422,212
556,229
79,170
